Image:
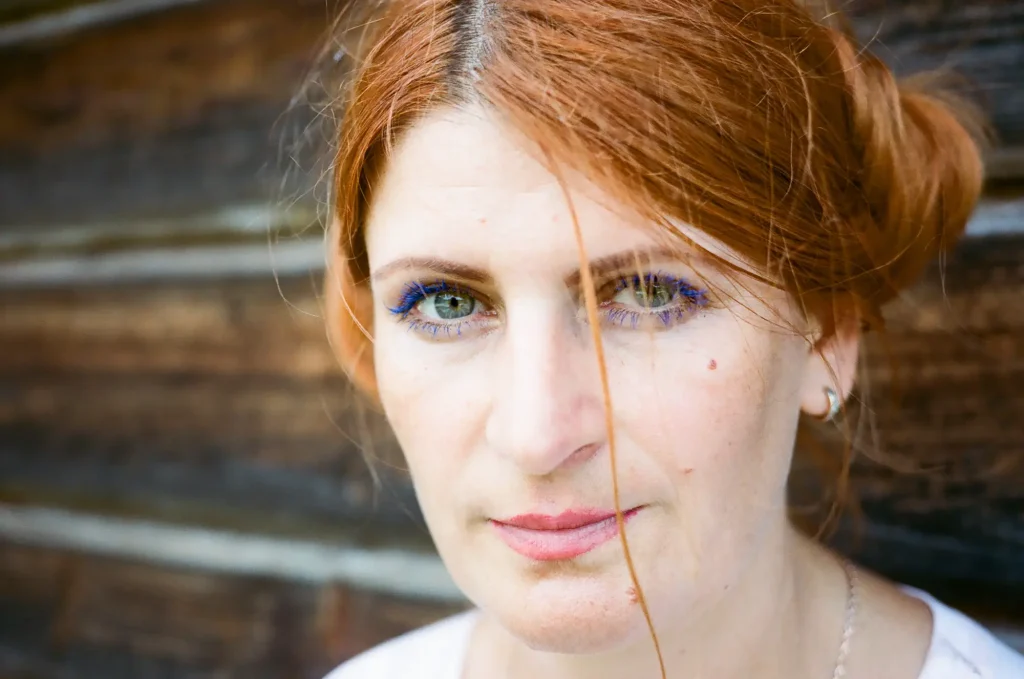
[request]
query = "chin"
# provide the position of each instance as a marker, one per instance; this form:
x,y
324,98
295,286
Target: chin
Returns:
x,y
570,615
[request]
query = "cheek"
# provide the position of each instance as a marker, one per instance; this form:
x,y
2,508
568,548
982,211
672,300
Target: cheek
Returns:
x,y
715,415
433,404
710,425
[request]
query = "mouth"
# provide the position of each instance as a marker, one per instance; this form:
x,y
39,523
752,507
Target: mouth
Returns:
x,y
570,534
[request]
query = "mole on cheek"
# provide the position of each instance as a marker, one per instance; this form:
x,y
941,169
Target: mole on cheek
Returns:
x,y
712,364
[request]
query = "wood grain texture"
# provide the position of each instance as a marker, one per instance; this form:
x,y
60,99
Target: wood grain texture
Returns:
x,y
76,616
167,113
183,110
218,394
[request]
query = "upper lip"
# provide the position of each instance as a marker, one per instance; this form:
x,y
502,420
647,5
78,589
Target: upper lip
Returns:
x,y
571,518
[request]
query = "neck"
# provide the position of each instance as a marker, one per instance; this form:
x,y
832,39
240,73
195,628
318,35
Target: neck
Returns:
x,y
782,619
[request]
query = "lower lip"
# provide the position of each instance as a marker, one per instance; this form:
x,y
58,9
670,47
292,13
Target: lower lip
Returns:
x,y
557,545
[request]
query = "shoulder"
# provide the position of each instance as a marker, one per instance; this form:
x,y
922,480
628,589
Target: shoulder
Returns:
x,y
963,649
432,652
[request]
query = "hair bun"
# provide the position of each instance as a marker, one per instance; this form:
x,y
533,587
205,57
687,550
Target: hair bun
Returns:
x,y
921,172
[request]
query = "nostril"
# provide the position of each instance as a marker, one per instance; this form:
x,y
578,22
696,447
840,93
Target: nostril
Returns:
x,y
583,453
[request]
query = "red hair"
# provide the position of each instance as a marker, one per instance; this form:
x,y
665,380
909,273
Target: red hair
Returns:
x,y
750,120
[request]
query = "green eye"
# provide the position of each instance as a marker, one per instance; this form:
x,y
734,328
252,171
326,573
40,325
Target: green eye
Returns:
x,y
653,298
653,294
450,306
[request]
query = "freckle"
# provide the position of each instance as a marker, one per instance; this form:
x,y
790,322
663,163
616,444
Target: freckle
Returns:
x,y
687,471
712,364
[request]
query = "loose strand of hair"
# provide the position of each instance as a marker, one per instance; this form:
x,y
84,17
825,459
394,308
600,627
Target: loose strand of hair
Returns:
x,y
590,301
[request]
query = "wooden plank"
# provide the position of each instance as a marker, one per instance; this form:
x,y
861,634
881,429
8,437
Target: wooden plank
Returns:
x,y
389,567
76,616
181,111
218,403
166,113
23,21
227,404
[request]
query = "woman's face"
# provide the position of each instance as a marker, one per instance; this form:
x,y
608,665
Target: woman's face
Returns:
x,y
488,373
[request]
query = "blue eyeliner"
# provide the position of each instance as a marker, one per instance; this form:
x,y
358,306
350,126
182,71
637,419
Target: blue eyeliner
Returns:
x,y
414,293
684,299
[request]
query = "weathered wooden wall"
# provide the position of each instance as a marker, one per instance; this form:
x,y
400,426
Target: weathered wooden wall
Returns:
x,y
168,114
74,615
159,387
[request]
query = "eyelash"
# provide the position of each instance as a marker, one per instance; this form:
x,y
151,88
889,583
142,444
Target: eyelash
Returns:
x,y
415,292
685,300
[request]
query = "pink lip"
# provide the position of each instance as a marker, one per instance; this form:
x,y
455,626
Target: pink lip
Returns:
x,y
551,538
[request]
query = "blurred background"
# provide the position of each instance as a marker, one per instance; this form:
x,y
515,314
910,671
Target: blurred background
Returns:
x,y
183,481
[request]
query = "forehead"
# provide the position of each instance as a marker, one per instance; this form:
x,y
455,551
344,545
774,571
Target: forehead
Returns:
x,y
459,184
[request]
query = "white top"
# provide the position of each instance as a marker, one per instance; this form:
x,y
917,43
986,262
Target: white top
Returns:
x,y
960,649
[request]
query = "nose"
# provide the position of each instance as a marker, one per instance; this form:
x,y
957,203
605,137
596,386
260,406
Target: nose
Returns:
x,y
547,411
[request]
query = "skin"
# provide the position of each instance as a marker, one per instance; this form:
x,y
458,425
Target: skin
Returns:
x,y
503,415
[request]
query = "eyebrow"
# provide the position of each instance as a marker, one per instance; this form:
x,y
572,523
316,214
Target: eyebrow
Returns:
x,y
601,267
436,265
621,261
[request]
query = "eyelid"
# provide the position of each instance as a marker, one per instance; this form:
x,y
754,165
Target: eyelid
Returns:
x,y
413,292
612,282
690,299
480,321
622,280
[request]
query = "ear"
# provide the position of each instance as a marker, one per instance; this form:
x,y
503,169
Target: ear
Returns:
x,y
348,311
831,363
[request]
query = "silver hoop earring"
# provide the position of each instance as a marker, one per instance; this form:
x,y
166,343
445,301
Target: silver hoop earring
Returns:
x,y
834,404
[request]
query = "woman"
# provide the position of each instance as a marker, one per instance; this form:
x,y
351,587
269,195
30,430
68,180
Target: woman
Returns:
x,y
598,261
